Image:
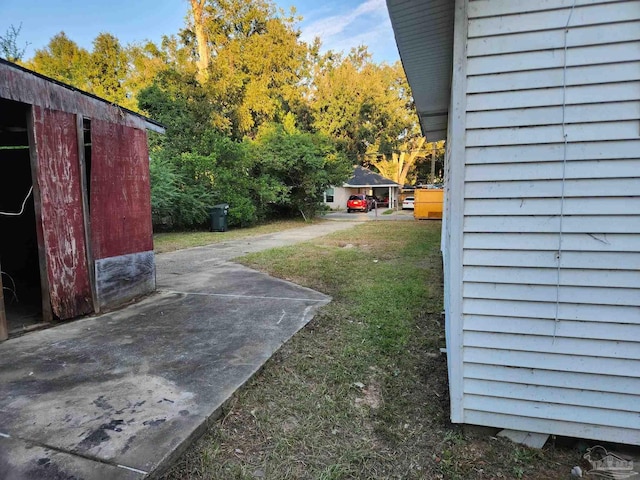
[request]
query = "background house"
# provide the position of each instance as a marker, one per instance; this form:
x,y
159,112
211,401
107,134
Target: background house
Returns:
x,y
75,227
362,181
539,102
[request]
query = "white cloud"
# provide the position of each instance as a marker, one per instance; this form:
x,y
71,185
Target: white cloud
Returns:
x,y
377,37
334,30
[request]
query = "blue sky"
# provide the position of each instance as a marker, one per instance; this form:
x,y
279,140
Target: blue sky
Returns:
x,y
340,24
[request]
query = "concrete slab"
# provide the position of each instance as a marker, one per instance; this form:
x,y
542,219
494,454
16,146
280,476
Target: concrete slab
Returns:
x,y
21,460
529,439
213,276
121,395
131,388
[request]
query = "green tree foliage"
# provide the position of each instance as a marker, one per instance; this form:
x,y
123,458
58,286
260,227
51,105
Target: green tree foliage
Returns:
x,y
181,189
238,178
363,106
200,166
147,62
107,70
254,117
63,60
306,164
257,61
104,71
177,101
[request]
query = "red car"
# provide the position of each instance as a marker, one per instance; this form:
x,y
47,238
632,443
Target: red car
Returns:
x,y
360,202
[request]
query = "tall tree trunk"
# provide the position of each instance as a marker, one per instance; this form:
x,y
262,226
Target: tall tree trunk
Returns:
x,y
398,166
197,8
409,159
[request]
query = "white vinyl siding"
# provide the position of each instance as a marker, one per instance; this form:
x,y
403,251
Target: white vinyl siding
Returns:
x,y
551,343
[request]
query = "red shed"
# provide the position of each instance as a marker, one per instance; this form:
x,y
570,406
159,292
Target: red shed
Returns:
x,y
75,203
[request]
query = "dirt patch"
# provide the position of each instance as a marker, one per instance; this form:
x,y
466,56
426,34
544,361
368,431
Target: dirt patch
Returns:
x,y
372,396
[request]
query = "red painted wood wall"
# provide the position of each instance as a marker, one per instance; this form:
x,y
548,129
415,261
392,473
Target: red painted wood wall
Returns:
x,y
120,201
61,212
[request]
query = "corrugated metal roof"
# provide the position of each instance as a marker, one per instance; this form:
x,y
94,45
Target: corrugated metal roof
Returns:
x,y
52,93
424,35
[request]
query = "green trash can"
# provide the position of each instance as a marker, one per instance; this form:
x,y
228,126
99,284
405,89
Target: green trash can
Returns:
x,y
219,214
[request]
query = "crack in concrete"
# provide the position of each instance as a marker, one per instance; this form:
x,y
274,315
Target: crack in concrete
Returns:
x,y
73,453
316,300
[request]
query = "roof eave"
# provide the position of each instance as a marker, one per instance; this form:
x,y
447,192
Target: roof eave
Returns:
x,y
370,185
424,35
23,85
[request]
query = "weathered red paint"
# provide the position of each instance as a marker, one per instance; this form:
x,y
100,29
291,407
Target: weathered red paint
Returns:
x,y
58,176
120,201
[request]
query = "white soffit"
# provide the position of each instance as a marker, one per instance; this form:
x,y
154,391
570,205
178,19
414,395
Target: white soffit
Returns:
x,y
424,35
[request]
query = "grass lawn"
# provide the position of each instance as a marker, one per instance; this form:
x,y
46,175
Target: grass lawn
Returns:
x,y
168,242
361,392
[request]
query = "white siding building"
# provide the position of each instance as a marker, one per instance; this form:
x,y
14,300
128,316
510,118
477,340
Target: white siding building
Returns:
x,y
540,103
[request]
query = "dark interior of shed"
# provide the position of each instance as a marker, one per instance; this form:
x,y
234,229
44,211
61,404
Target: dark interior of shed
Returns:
x,y
86,129
19,259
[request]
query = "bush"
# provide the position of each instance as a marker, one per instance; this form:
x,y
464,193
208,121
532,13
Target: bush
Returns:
x,y
304,164
176,202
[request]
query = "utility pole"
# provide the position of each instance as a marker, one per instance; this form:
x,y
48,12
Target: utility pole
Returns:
x,y
433,163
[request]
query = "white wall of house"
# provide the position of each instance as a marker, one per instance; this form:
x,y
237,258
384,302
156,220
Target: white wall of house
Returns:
x,y
340,197
542,236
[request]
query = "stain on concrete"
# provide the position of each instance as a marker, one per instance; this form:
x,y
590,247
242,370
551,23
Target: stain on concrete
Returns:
x,y
154,423
99,418
51,471
100,435
130,442
102,403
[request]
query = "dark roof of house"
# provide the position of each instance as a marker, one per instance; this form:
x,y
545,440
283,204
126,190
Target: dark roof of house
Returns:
x,y
363,177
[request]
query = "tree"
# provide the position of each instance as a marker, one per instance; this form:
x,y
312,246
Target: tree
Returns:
x,y
108,68
63,60
431,168
9,48
147,62
195,166
397,165
305,163
197,11
364,107
414,159
256,60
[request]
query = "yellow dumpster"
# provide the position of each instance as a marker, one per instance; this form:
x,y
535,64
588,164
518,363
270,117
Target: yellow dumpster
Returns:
x,y
428,203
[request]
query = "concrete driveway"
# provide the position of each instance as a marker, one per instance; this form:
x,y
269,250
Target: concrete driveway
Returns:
x,y
121,395
373,215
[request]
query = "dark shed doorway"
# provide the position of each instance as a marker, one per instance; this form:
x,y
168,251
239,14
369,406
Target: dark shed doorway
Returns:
x,y
19,260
